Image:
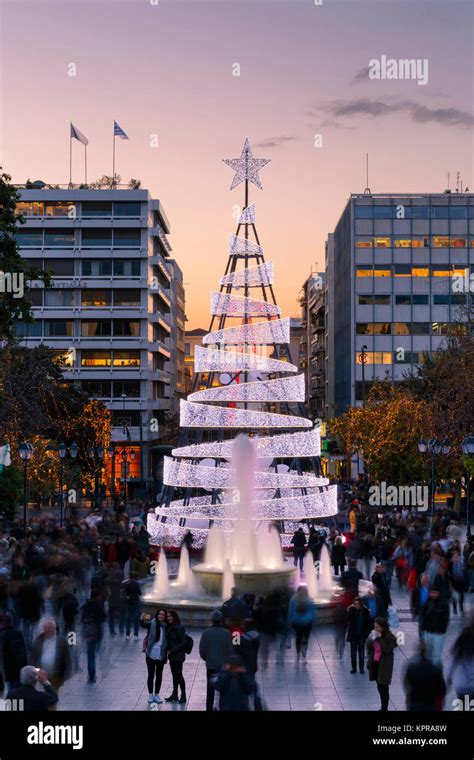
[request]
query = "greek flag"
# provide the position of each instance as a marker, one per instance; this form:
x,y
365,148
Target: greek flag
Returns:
x,y
78,135
118,132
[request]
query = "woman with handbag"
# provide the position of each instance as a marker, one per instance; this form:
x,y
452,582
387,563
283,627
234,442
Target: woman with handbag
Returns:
x,y
176,644
380,646
154,647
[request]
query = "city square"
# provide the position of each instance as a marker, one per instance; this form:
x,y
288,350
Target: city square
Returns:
x,y
236,390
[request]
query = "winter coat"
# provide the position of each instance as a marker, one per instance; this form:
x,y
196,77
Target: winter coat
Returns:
x,y
424,685
234,689
381,584
175,643
383,675
215,647
299,543
338,555
248,649
156,632
62,665
434,616
13,655
304,616
92,617
359,624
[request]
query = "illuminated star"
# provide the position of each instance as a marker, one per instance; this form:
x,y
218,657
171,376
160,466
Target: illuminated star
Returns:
x,y
246,167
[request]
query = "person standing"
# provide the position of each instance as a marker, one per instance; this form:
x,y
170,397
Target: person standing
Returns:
x,y
458,578
215,647
338,556
379,579
434,619
301,614
50,652
132,592
176,651
234,685
358,628
154,647
33,700
249,645
460,669
92,618
13,655
117,600
380,648
299,547
350,579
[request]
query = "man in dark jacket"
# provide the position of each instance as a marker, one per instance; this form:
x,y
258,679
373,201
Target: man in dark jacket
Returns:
x,y
424,684
248,649
132,592
350,579
234,610
215,648
50,652
33,700
234,685
358,628
434,619
379,579
299,547
13,655
117,600
92,617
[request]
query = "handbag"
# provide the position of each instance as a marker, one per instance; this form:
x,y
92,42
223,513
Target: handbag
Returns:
x,y
188,647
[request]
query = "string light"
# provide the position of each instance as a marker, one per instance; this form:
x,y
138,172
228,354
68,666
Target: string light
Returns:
x,y
218,360
238,306
257,333
285,389
248,215
246,167
252,276
284,446
198,415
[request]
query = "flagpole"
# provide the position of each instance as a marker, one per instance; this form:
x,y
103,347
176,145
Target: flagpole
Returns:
x,y
70,156
113,169
85,163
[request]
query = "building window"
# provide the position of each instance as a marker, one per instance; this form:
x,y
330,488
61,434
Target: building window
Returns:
x,y
126,359
59,297
96,268
408,300
95,358
438,272
364,272
422,242
29,238
127,238
440,212
370,300
127,297
382,242
420,272
402,270
60,267
127,328
97,388
458,212
125,268
61,208
127,208
96,210
59,238
58,328
414,328
28,330
453,298
96,238
96,298
130,388
98,328
373,328
29,208
35,296
364,212
375,357
363,243
446,242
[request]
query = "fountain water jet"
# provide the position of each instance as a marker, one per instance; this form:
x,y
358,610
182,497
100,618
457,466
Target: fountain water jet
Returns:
x,y
161,584
326,582
310,575
227,581
186,580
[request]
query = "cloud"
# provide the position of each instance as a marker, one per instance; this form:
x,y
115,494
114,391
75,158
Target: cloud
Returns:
x,y
275,142
345,109
361,75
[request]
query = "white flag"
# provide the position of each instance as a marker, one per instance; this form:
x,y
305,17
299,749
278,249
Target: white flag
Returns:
x,y
78,135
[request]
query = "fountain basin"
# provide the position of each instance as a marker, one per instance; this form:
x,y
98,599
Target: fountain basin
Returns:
x,y
245,581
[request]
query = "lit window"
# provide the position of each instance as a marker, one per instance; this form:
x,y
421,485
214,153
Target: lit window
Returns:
x,y
382,242
29,208
126,359
96,298
61,208
364,244
95,359
373,328
440,242
458,242
375,357
420,272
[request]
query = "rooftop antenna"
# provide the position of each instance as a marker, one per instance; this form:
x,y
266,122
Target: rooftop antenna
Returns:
x,y
458,177
367,188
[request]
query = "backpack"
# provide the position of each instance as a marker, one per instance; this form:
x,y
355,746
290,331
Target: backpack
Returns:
x,y
188,647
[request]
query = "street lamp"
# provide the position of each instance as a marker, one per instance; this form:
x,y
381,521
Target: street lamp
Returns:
x,y
73,451
26,452
363,361
96,455
433,447
468,451
125,455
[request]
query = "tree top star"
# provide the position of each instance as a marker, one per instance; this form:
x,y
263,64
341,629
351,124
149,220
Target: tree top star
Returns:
x,y
246,167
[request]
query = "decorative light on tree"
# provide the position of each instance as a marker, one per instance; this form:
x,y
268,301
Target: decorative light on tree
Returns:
x,y
215,360
252,277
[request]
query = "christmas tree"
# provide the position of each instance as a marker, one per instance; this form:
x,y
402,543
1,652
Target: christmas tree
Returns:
x,y
245,381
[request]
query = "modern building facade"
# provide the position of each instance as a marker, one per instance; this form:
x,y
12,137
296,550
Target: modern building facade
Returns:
x,y
116,311
398,269
312,343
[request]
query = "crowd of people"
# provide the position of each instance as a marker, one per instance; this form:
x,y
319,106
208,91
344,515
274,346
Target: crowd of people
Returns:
x,y
63,586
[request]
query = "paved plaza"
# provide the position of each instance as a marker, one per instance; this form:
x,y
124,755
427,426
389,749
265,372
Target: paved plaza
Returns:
x,y
324,682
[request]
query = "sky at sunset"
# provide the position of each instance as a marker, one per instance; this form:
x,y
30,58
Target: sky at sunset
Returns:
x,y
166,69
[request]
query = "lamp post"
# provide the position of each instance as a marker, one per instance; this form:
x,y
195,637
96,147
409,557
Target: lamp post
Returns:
x,y
96,455
468,451
73,451
125,455
26,452
363,361
433,447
